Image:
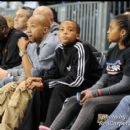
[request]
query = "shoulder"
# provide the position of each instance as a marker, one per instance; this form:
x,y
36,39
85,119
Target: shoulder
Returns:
x,y
89,46
52,41
83,47
79,45
126,53
51,38
111,50
59,47
17,33
54,28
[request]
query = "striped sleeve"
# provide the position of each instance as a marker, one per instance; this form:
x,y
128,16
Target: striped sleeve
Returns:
x,y
76,75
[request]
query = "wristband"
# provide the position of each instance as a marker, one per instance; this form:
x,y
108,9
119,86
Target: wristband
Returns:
x,y
99,92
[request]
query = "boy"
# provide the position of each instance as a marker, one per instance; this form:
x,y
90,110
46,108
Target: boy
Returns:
x,y
75,68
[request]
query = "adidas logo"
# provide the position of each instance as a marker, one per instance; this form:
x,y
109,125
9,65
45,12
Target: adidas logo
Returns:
x,y
68,68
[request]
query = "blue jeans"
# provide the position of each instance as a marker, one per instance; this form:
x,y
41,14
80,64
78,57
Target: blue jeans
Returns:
x,y
120,117
12,78
8,80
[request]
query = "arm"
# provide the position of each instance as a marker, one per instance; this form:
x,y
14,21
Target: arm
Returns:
x,y
16,71
117,88
47,76
12,54
22,44
101,82
123,85
51,74
75,76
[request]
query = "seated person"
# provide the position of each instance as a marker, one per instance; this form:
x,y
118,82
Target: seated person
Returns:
x,y
20,23
111,87
9,52
42,54
75,68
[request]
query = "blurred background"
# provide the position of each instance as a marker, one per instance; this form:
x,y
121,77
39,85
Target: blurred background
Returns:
x,y
93,17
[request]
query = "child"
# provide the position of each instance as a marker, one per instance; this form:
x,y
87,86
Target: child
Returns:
x,y
111,87
75,68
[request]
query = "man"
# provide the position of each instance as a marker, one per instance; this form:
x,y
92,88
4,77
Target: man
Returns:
x,y
20,23
42,56
46,11
21,18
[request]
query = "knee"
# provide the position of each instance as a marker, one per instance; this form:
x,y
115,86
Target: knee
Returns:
x,y
91,103
59,90
70,103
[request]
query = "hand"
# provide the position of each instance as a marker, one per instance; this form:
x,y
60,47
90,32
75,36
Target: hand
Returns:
x,y
23,43
21,79
32,82
37,84
86,95
3,73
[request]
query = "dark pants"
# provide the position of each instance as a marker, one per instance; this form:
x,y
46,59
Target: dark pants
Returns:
x,y
85,113
59,94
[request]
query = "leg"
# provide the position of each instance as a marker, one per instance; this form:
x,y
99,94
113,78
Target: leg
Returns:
x,y
118,116
59,94
36,109
126,125
16,107
5,94
5,81
68,112
92,106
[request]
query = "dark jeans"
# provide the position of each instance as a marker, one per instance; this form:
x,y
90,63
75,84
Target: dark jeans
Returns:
x,y
85,113
59,94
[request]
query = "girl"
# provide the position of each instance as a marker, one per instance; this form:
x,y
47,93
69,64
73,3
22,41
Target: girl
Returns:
x,y
109,89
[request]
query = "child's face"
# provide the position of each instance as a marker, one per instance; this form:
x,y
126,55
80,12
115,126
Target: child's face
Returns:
x,y
68,32
114,32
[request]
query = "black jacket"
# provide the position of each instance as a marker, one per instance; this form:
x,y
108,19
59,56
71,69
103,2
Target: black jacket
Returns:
x,y
9,51
74,65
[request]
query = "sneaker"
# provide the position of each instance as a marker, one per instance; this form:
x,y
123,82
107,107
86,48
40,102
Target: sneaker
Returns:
x,y
41,127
